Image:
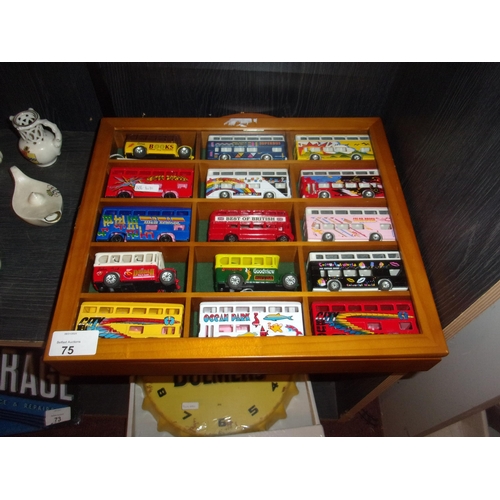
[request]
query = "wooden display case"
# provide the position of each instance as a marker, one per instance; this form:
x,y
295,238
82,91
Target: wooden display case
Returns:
x,y
190,354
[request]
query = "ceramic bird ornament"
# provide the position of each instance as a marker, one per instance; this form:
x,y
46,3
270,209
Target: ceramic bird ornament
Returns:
x,y
34,201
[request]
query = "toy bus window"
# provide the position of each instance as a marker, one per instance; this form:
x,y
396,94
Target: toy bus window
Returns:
x,y
166,312
126,259
240,149
358,226
208,310
241,329
291,309
225,309
250,150
168,330
149,257
89,309
385,226
138,310
365,272
139,258
225,149
403,307
382,256
332,273
354,308
356,212
337,308
103,259
339,226
244,309
244,173
374,326
224,261
350,256
371,212
371,307
322,309
394,272
386,307
405,325
136,329
247,261
225,328
275,309
350,185
316,225
109,310
260,309
348,273
254,185
330,212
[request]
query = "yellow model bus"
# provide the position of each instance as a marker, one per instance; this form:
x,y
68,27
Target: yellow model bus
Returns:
x,y
136,320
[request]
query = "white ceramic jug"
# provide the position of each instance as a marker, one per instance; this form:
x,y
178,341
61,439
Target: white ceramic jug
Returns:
x,y
35,201
37,144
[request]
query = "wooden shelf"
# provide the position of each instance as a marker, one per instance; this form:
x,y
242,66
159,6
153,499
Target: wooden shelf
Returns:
x,y
189,354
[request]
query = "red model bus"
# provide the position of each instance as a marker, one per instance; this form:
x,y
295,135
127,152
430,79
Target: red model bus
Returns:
x,y
363,317
144,182
250,225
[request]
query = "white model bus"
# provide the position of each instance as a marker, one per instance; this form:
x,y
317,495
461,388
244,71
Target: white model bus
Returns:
x,y
251,319
248,183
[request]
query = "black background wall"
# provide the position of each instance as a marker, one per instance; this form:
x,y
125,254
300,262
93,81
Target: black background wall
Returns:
x,y
442,122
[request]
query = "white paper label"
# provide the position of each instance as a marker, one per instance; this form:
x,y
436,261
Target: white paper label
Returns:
x,y
190,406
57,415
74,343
150,188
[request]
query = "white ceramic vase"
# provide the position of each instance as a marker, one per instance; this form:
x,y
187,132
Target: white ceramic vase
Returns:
x,y
35,201
40,140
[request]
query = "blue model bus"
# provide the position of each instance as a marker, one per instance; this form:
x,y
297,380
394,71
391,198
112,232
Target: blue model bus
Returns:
x,y
144,224
246,147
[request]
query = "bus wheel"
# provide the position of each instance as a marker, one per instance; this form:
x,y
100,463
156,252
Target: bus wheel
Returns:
x,y
140,152
224,194
375,237
268,195
368,194
283,237
356,157
315,157
169,195
124,194
231,237
266,157
165,237
111,280
290,282
167,278
328,237
116,237
234,281
323,194
184,152
224,156
384,285
334,286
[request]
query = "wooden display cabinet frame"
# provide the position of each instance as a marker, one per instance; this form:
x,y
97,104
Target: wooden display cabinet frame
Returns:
x,y
188,354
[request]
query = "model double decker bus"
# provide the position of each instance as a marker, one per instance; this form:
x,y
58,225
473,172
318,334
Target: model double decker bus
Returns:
x,y
136,320
340,183
246,147
250,225
250,319
244,272
363,317
143,182
355,271
251,183
347,224
144,224
133,272
156,146
333,147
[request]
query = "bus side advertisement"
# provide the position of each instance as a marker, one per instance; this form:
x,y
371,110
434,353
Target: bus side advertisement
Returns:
x,y
333,147
144,224
363,317
250,319
136,320
131,182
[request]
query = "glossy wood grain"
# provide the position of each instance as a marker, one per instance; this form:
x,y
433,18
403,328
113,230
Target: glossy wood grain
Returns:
x,y
308,354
